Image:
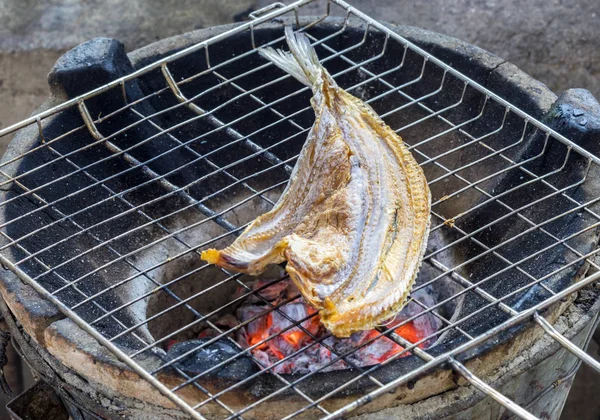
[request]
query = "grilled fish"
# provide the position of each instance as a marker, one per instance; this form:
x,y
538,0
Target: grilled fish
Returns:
x,y
353,221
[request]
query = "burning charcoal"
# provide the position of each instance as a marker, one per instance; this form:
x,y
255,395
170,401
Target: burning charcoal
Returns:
x,y
295,311
298,364
422,326
281,347
272,293
263,358
302,363
291,291
227,322
171,343
212,355
244,313
286,367
325,357
288,339
377,351
258,329
241,337
207,333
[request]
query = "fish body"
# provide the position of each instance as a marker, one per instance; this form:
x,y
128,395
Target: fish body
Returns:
x,y
354,219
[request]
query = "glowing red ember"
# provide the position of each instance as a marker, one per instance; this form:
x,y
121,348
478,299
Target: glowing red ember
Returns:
x,y
278,341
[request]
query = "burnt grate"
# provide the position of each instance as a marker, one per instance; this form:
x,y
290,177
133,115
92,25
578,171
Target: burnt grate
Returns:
x,y
106,213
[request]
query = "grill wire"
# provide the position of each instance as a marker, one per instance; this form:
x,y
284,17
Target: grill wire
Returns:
x,y
92,311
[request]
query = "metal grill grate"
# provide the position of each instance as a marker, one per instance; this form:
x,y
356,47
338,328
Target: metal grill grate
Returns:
x,y
99,218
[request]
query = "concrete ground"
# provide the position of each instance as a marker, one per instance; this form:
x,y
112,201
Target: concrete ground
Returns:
x,y
556,41
34,34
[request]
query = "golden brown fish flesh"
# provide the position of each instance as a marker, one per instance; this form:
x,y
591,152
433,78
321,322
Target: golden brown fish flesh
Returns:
x,y
353,222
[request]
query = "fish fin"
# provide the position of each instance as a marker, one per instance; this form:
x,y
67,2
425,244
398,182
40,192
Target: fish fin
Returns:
x,y
211,256
301,62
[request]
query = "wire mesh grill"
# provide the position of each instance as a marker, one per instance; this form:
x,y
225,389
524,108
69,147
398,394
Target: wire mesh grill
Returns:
x,y
107,215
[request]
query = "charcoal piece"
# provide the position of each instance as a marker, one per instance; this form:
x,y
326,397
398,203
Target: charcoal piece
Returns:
x,y
89,65
576,115
209,356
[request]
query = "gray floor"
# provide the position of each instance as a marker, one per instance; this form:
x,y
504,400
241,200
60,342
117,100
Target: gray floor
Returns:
x,y
556,41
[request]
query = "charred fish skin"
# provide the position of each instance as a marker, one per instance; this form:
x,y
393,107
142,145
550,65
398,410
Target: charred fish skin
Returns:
x,y
354,219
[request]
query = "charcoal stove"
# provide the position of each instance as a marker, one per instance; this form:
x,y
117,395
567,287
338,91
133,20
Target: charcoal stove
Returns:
x,y
109,195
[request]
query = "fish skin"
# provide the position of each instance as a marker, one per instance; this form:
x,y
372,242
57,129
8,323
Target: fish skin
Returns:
x,y
354,219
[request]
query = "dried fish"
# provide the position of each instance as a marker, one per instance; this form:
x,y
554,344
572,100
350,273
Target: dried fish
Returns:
x,y
353,221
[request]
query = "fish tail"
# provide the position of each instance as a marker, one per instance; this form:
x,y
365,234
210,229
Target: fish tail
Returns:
x,y
301,61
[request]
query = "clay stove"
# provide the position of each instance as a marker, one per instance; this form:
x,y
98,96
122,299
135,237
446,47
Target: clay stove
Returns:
x,y
108,199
